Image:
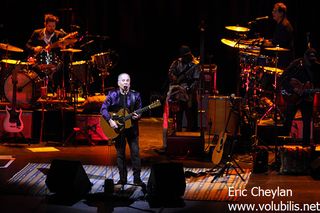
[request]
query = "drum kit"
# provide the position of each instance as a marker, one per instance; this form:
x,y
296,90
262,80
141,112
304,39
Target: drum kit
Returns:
x,y
35,73
258,72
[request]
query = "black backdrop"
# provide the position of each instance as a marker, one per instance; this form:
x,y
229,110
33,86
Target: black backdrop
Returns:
x,y
147,34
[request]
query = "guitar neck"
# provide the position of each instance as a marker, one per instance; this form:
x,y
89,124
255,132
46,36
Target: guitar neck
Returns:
x,y
139,111
14,89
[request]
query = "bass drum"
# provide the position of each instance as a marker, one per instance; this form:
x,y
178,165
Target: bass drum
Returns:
x,y
28,87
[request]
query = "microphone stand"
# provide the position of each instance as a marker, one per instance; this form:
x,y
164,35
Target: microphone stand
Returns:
x,y
201,89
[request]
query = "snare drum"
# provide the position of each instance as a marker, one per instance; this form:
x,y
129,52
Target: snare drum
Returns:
x,y
28,87
47,60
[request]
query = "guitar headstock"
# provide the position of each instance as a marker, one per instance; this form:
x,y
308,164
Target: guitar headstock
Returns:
x,y
155,104
71,35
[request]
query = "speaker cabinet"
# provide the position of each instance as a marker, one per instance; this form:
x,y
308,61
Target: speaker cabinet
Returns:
x,y
26,119
67,178
166,181
185,143
315,168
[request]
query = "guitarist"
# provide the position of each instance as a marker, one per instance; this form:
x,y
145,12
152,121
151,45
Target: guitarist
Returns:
x,y
301,75
39,45
128,100
184,74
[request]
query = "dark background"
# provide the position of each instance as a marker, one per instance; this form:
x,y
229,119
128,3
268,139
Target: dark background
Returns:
x,y
147,34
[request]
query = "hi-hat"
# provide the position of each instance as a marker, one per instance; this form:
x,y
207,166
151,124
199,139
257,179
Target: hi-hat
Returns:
x,y
276,49
238,28
71,50
9,47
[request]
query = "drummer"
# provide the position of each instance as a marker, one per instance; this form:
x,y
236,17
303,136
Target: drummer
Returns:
x,y
40,45
282,35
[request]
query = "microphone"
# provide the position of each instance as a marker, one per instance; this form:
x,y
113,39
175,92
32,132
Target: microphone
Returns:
x,y
258,19
64,32
262,18
125,89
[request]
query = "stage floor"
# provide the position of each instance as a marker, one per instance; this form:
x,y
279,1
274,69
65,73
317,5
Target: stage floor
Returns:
x,y
303,187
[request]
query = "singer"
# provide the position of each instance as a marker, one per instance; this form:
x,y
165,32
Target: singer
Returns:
x,y
130,100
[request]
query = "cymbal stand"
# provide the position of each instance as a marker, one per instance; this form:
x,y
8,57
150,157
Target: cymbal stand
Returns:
x,y
274,108
104,73
74,96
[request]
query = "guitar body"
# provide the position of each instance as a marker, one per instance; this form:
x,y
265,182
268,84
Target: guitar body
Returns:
x,y
108,130
123,119
218,150
13,122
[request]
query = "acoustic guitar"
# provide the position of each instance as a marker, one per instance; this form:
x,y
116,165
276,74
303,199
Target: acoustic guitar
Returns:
x,y
123,120
218,150
13,122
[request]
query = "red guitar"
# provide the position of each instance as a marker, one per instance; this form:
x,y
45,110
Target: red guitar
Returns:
x,y
12,122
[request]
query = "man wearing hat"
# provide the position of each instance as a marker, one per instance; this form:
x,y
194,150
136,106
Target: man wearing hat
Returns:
x,y
298,82
184,74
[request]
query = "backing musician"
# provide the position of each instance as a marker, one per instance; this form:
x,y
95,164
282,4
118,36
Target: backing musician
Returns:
x,y
297,83
41,52
184,74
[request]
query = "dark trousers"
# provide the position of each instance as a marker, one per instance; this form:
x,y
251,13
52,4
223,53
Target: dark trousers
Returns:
x,y
131,136
306,112
191,112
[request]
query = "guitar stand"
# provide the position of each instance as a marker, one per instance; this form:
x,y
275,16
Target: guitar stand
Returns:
x,y
225,169
5,136
77,130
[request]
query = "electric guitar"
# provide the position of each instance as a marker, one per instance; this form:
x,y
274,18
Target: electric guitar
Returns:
x,y
302,92
66,40
123,120
13,122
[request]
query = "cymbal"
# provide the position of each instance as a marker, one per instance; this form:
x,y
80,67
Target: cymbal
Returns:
x,y
273,70
14,62
9,47
276,49
238,28
63,42
71,50
232,43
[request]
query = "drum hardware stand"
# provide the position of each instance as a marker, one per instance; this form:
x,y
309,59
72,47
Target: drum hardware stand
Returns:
x,y
274,107
76,130
230,162
276,163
